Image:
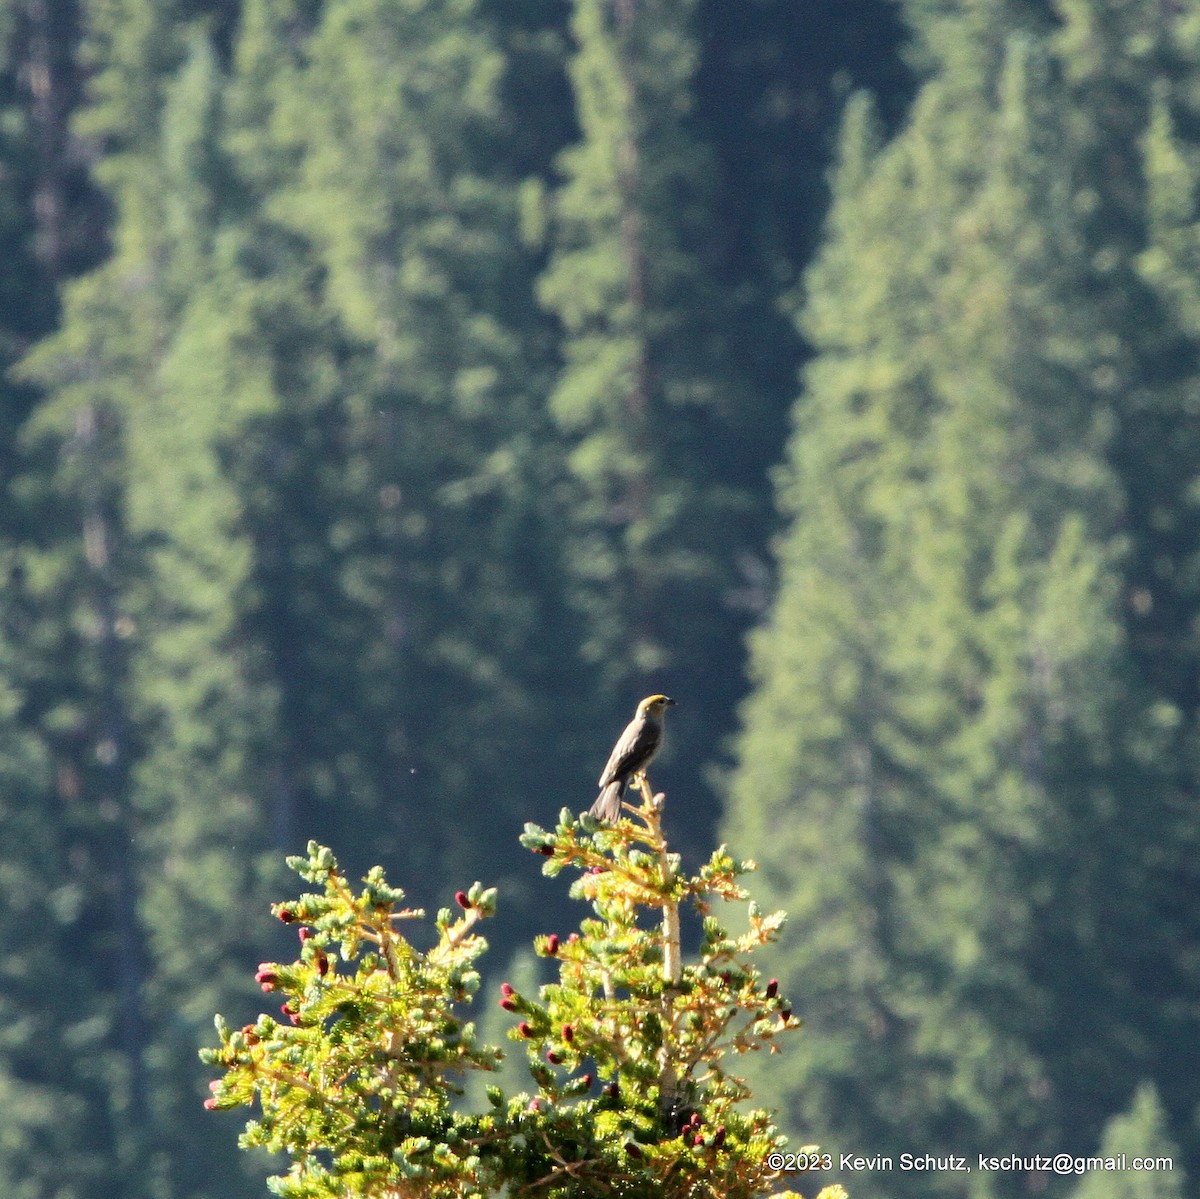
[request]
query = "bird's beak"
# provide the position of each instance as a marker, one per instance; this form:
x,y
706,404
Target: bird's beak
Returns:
x,y
670,702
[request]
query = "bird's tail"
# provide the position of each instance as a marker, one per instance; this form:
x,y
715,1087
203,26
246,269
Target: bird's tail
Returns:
x,y
608,803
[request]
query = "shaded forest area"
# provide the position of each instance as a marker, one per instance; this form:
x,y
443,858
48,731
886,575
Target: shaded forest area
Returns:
x,y
395,391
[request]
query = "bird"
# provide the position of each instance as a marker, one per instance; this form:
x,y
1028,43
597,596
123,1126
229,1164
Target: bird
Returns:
x,y
633,752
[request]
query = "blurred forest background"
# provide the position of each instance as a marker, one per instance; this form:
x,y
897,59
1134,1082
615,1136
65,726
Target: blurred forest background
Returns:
x,y
395,391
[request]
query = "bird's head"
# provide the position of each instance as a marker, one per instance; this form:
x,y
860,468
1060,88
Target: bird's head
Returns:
x,y
655,705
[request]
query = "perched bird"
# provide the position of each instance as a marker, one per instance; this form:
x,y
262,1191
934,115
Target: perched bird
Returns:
x,y
633,752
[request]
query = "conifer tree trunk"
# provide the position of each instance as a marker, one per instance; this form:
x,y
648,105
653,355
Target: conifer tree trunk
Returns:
x,y
640,483
113,751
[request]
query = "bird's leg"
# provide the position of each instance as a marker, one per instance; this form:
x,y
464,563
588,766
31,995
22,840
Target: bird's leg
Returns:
x,y
639,781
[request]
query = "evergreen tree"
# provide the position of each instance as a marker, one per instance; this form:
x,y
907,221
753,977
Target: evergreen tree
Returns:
x,y
320,505
665,442
59,1132
294,544
147,705
941,680
69,1062
961,760
403,489
771,79
1131,75
1139,1132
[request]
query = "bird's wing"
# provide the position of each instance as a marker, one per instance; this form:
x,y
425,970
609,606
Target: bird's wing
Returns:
x,y
620,750
625,755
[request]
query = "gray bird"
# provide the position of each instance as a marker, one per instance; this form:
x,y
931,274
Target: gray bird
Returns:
x,y
633,752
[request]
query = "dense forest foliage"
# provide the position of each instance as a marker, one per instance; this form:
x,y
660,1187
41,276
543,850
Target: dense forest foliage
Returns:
x,y
395,391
